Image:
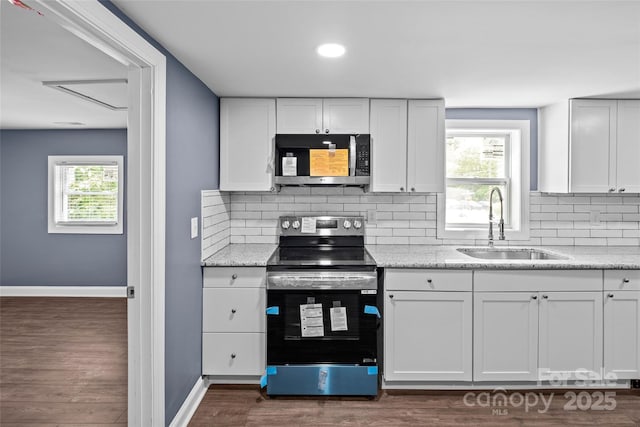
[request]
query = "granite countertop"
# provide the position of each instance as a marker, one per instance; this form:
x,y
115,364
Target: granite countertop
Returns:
x,y
424,256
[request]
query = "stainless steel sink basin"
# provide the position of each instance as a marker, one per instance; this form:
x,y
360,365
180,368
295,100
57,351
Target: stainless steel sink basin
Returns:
x,y
510,253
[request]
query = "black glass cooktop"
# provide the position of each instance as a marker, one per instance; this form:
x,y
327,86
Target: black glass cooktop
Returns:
x,y
321,256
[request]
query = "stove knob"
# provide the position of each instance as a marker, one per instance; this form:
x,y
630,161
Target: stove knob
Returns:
x,y
357,224
296,224
347,224
285,224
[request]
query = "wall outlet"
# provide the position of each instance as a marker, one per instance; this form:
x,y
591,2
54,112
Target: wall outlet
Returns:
x,y
371,216
194,227
594,217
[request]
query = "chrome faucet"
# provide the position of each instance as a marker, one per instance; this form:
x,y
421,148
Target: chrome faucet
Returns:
x,y
501,223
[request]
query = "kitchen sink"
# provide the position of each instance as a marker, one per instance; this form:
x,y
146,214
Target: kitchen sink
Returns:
x,y
510,253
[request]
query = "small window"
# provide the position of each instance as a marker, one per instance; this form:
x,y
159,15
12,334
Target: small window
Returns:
x,y
85,194
481,155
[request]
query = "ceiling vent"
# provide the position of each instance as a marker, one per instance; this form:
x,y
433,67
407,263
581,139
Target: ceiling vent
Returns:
x,y
110,93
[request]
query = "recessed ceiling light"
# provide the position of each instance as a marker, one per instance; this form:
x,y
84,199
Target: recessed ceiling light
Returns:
x,y
331,50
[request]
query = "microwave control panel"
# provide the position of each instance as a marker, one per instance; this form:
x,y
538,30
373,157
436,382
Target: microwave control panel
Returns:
x,y
363,158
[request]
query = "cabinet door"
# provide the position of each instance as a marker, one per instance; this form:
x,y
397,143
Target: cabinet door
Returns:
x,y
425,146
622,334
299,115
628,147
592,145
505,336
247,132
428,336
345,115
570,334
388,145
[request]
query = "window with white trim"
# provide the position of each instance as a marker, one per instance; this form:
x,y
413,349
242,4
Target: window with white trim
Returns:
x,y
481,155
85,194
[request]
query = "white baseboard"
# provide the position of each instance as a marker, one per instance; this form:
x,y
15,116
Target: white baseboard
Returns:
x,y
190,404
64,291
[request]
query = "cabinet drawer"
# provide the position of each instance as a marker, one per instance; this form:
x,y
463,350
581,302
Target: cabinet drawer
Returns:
x,y
427,280
535,281
628,280
233,310
233,354
234,277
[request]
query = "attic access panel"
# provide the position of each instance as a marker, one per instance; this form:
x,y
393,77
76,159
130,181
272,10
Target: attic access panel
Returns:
x,y
110,93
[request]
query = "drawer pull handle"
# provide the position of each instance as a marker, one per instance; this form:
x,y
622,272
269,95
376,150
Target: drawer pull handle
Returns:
x,y
233,355
534,297
429,281
610,295
234,276
545,296
233,311
625,280
391,296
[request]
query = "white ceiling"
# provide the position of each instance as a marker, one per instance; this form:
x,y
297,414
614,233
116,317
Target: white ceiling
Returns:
x,y
32,50
472,53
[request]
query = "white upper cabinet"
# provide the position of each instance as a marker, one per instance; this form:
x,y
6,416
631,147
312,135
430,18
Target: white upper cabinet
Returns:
x,y
388,145
317,115
407,144
628,146
425,148
247,132
590,146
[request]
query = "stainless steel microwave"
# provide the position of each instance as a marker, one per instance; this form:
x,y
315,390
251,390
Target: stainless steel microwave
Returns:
x,y
334,159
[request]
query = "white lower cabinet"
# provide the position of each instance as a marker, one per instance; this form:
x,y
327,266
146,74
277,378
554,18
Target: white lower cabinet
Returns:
x,y
622,324
233,323
537,325
570,335
505,335
428,333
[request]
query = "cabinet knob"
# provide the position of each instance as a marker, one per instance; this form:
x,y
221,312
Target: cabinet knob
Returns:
x,y
401,188
233,311
534,297
234,276
273,189
391,296
429,281
545,296
317,130
622,190
326,131
233,355
625,280
610,295
413,188
611,190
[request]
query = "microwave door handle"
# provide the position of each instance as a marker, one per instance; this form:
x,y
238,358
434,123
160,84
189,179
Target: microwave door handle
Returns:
x,y
352,155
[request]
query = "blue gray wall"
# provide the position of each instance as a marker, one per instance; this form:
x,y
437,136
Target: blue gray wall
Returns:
x,y
192,165
29,255
530,114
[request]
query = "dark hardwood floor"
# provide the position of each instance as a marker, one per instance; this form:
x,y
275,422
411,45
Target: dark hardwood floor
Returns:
x,y
247,406
63,361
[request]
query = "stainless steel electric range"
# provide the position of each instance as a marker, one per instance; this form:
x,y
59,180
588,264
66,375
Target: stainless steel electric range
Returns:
x,y
322,317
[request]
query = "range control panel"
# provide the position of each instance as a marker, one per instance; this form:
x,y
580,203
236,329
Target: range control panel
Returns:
x,y
321,225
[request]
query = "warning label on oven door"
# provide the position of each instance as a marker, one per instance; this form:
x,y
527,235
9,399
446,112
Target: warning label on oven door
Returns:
x,y
311,321
338,318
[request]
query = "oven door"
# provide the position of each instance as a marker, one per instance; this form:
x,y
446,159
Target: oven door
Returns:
x,y
332,320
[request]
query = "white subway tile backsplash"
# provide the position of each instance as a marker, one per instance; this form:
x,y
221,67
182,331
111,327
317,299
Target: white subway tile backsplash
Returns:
x,y
404,218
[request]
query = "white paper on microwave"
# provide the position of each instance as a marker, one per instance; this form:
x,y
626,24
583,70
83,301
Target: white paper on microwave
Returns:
x,y
289,166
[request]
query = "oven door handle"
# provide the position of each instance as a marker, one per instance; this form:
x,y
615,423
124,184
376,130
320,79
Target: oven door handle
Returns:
x,y
365,281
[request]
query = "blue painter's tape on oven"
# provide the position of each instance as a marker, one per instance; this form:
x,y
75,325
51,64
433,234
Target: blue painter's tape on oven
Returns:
x,y
272,370
372,370
274,311
369,309
263,381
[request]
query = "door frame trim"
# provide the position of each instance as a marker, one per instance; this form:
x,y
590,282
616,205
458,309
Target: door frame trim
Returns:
x,y
146,193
